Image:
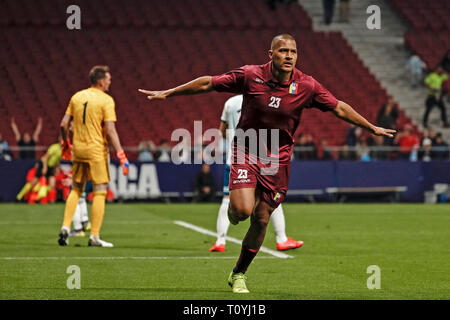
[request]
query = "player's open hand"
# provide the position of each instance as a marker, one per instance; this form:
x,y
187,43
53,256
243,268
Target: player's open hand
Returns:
x,y
378,131
154,95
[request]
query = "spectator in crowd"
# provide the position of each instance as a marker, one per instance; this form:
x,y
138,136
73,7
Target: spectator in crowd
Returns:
x,y
27,143
378,151
44,182
430,134
273,3
426,154
440,148
328,11
363,150
346,154
407,141
298,144
415,67
445,63
163,152
324,152
388,114
435,95
205,184
353,135
5,151
306,148
344,10
145,151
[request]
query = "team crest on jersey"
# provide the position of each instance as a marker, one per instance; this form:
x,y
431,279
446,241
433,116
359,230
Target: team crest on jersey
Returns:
x,y
277,197
293,88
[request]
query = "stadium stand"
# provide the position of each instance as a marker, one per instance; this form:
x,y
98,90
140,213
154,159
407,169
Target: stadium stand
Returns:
x,y
159,44
429,34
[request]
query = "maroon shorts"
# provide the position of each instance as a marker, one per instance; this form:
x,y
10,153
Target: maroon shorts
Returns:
x,y
273,183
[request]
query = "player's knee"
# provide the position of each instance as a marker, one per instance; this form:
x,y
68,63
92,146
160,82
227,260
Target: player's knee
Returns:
x,y
78,188
100,187
241,211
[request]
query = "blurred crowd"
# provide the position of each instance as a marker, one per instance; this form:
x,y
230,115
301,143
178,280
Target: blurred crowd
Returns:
x,y
360,146
408,144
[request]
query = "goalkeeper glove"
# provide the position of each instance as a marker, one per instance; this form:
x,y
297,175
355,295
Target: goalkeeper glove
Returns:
x,y
123,161
66,150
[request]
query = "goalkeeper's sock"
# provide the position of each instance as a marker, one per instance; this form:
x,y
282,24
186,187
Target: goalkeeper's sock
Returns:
x,y
279,224
71,206
83,208
76,220
222,222
24,191
98,211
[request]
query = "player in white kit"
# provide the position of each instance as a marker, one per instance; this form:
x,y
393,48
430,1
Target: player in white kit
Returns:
x,y
229,120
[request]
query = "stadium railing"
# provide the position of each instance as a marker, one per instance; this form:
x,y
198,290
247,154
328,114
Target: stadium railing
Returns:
x,y
335,150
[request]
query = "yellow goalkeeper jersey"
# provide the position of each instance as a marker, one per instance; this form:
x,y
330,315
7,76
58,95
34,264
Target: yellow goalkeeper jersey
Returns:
x,y
90,108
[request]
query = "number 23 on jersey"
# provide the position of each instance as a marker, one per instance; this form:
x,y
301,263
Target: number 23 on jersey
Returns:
x,y
274,102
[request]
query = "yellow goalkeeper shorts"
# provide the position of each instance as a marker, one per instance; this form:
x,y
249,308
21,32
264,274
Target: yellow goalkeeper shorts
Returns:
x,y
97,171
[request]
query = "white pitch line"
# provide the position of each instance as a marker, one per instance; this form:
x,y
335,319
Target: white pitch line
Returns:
x,y
231,239
57,222
124,258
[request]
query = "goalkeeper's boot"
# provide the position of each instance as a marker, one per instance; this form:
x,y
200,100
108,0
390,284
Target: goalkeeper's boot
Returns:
x,y
289,244
63,238
237,282
97,242
77,233
217,248
86,225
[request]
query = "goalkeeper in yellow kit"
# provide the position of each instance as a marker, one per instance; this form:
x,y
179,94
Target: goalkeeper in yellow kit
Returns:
x,y
93,114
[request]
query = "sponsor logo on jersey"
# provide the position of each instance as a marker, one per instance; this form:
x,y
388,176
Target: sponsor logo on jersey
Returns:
x,y
259,80
241,181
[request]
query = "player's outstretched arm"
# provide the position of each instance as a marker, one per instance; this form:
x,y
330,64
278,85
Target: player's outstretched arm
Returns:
x,y
199,85
347,113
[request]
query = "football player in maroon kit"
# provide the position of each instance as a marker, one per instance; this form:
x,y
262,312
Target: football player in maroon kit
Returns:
x,y
275,94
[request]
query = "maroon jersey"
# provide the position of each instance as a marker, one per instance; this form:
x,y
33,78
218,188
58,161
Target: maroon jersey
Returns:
x,y
269,104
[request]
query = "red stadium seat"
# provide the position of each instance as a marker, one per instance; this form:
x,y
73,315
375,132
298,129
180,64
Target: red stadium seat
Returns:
x,y
158,44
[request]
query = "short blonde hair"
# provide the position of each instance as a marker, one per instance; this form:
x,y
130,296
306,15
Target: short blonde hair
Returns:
x,y
98,73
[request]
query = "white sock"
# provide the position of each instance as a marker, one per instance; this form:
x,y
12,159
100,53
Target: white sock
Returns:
x,y
222,221
92,237
279,224
83,208
65,228
76,220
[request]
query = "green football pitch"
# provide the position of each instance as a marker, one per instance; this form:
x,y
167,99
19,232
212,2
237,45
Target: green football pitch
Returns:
x,y
154,258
